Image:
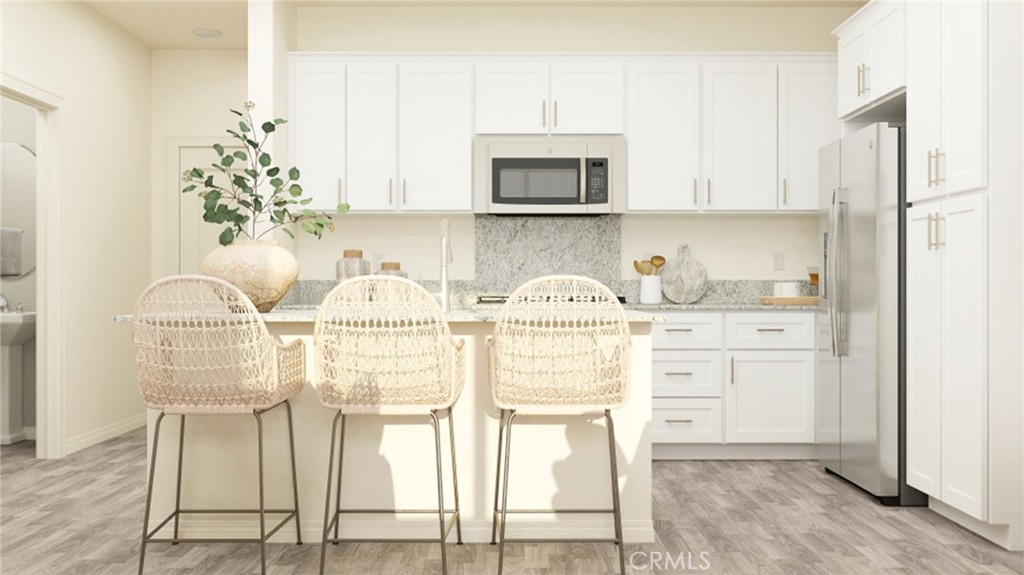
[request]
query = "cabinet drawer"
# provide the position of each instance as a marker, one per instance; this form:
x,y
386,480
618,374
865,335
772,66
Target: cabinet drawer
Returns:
x,y
689,331
687,421
687,373
769,330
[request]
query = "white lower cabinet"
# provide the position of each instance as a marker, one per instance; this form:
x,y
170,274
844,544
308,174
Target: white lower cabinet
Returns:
x,y
770,397
739,378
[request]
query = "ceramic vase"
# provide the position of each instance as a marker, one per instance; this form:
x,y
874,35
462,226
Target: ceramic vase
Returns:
x,y
263,270
683,278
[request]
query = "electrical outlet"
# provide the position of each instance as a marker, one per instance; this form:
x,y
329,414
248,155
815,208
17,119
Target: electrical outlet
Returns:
x,y
779,261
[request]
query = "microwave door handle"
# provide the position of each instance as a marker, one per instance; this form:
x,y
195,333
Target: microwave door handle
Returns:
x,y
583,180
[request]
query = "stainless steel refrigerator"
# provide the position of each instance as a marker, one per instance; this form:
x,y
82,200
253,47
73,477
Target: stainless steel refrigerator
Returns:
x,y
860,423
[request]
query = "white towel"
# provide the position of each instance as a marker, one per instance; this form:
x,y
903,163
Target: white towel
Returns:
x,y
10,251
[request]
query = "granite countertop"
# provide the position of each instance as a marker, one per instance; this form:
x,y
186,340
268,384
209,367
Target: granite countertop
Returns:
x,y
483,313
717,307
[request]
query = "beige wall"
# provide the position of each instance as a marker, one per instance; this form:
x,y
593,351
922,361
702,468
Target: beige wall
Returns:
x,y
102,74
569,29
192,92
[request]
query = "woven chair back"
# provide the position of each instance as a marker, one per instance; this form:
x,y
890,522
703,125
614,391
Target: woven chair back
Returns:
x,y
382,342
561,341
200,342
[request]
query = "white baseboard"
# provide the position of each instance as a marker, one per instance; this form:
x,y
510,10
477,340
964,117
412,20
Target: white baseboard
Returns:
x,y
635,531
13,438
104,433
30,433
725,451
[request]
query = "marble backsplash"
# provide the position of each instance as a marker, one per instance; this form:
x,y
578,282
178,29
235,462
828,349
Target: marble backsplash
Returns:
x,y
511,250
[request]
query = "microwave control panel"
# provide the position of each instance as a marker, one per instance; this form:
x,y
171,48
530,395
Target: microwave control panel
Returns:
x,y
597,180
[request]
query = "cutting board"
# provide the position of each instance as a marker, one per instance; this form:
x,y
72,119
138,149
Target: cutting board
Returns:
x,y
803,300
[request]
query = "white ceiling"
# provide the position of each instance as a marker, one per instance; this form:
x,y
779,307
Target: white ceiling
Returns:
x,y
169,24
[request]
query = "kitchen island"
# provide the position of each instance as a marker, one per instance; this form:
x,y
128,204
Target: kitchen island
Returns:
x,y
389,462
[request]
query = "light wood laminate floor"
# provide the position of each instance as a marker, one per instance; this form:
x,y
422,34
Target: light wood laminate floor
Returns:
x,y
82,515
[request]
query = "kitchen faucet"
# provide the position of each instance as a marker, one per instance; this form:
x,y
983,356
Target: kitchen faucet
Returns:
x,y
444,296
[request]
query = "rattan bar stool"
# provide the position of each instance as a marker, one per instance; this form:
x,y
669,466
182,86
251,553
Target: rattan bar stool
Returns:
x,y
201,348
383,347
561,346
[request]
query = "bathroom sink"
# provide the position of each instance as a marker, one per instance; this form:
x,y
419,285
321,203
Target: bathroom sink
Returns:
x,y
17,328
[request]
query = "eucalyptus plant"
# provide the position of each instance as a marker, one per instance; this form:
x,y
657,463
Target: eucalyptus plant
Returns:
x,y
244,204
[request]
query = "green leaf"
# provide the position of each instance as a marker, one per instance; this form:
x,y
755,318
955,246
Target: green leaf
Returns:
x,y
279,121
196,173
272,172
226,161
265,159
309,213
227,236
209,182
245,204
268,127
309,226
288,231
343,208
276,182
295,190
244,127
219,149
235,112
241,156
188,189
251,173
293,174
252,144
306,201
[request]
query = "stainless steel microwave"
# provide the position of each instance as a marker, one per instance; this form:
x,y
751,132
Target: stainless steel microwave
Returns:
x,y
568,175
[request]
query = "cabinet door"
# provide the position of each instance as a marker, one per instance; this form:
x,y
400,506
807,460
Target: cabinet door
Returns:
x,y
664,138
924,345
923,81
769,397
963,239
963,158
372,137
885,61
587,99
740,137
807,121
512,99
435,138
853,56
317,128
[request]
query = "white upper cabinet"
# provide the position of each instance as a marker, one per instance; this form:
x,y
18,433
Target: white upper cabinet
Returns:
x,y
435,137
372,137
871,55
587,99
740,137
947,98
664,137
512,99
807,121
578,98
316,130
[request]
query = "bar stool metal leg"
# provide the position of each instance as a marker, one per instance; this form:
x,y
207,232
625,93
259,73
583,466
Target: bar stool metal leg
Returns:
x,y
263,525
341,461
497,479
440,491
295,477
455,477
177,496
327,505
504,490
149,493
616,506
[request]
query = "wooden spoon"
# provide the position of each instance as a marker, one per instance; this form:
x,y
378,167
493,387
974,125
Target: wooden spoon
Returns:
x,y
638,267
648,267
657,262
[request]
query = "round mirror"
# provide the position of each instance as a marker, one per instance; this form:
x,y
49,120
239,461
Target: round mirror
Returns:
x,y
18,210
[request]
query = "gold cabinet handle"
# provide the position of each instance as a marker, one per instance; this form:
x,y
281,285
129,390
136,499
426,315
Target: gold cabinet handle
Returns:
x,y
391,194
678,421
556,113
931,158
679,329
709,191
938,166
858,81
405,194
679,373
732,371
938,243
341,198
930,220
771,329
785,191
695,191
543,113
864,72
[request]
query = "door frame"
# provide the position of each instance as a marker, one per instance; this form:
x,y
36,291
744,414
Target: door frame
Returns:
x,y
50,334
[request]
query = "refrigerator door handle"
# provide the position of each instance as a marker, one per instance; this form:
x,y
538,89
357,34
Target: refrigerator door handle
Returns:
x,y
830,273
839,287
